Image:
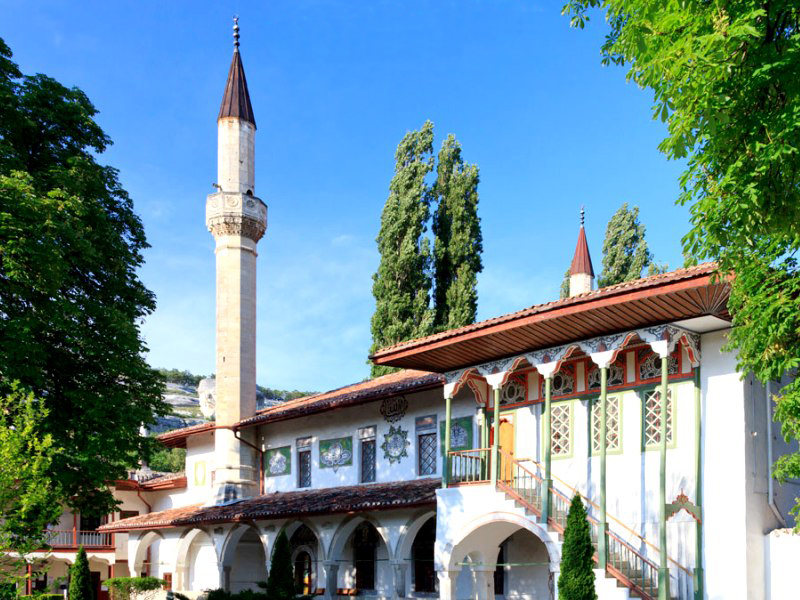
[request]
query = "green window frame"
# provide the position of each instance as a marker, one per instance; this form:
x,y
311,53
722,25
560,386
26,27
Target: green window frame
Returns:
x,y
562,429
614,404
651,427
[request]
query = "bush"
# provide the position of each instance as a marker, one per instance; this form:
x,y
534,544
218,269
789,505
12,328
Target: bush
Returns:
x,y
80,581
280,585
124,588
576,581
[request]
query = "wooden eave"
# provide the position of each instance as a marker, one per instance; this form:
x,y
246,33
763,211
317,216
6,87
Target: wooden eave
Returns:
x,y
682,294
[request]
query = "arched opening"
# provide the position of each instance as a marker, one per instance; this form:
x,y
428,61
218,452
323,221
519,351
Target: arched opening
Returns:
x,y
424,571
305,552
248,567
199,570
506,559
365,541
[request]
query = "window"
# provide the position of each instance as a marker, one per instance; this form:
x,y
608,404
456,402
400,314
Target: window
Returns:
x,y
426,445
367,438
167,577
304,462
616,375
650,364
561,429
127,514
651,430
515,390
612,424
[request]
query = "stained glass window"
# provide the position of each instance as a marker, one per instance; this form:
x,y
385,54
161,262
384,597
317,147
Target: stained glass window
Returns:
x,y
650,364
561,429
616,376
652,417
426,450
612,424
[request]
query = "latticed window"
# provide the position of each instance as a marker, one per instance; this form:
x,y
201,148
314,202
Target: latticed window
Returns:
x,y
426,451
613,426
561,429
652,417
368,460
304,468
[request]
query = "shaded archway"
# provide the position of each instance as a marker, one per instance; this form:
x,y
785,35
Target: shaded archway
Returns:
x,y
197,564
305,550
423,570
145,554
503,550
244,559
361,550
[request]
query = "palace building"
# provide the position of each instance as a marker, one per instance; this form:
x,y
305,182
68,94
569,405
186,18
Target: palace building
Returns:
x,y
451,478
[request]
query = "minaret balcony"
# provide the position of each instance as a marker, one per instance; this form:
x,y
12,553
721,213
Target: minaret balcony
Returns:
x,y
233,213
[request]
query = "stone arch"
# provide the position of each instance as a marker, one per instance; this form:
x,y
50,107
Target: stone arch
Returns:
x,y
243,558
142,544
185,556
346,529
304,538
292,526
506,524
409,532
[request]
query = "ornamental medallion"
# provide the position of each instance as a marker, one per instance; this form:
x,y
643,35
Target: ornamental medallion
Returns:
x,y
335,453
394,409
395,444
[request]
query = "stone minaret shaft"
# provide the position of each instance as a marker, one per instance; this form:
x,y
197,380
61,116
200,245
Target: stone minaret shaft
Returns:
x,y
238,220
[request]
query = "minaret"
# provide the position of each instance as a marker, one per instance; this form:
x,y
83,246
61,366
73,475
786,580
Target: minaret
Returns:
x,y
581,273
237,220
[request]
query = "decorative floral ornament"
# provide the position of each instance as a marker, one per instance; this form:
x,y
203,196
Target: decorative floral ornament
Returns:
x,y
336,453
395,444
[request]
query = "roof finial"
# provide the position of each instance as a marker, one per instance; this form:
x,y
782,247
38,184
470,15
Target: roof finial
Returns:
x,y
582,215
236,33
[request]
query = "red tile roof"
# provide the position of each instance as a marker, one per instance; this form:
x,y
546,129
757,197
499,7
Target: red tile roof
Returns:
x,y
278,505
680,294
581,262
177,437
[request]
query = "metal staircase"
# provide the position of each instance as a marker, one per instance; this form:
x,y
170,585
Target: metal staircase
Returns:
x,y
625,563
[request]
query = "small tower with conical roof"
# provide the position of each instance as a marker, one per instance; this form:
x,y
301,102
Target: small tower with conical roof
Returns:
x,y
581,273
237,219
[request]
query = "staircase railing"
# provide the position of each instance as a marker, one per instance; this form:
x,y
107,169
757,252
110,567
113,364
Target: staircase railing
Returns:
x,y
626,563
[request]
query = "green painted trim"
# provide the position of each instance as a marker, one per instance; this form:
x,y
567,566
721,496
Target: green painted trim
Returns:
x,y
698,482
448,409
571,402
674,442
545,439
663,571
592,403
602,546
496,440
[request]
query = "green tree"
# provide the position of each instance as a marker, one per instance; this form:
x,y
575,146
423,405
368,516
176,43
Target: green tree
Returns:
x,y
27,502
70,297
170,460
280,584
402,284
625,251
576,581
80,580
457,239
563,291
726,82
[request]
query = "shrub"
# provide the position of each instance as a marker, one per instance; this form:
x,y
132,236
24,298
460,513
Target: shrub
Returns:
x,y
80,581
576,581
124,588
280,584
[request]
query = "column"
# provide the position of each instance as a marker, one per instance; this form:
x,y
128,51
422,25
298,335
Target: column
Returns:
x,y
602,541
485,440
447,584
331,579
482,582
698,482
399,572
548,447
448,401
496,437
663,569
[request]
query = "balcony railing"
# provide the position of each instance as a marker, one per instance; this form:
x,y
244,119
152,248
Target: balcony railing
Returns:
x,y
469,466
72,538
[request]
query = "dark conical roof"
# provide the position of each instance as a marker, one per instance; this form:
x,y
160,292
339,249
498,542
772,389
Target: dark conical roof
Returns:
x,y
581,262
236,101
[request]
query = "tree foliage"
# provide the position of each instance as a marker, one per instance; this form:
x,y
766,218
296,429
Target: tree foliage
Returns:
x,y
27,502
457,239
402,283
576,581
80,580
625,251
409,271
140,588
169,460
280,584
726,81
70,297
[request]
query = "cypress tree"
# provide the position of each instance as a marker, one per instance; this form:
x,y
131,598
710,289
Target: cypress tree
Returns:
x,y
564,290
576,581
458,242
80,580
625,251
280,584
402,284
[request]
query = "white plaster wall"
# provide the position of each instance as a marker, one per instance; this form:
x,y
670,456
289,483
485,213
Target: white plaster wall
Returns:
x,y
526,582
724,483
203,568
249,564
345,423
782,549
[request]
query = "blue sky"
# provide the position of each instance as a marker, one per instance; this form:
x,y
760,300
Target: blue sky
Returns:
x,y
334,87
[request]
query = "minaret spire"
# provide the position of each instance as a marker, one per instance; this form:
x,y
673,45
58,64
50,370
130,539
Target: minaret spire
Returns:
x,y
236,99
581,273
236,33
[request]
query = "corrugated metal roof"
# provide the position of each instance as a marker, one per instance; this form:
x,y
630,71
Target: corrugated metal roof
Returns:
x,y
582,261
